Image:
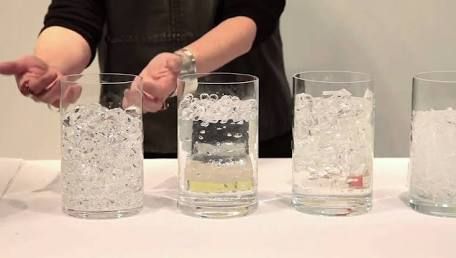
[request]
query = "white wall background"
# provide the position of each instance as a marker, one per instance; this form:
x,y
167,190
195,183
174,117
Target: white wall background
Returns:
x,y
390,39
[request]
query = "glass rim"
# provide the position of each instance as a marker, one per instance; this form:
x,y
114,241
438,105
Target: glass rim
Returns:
x,y
252,79
296,76
419,78
66,78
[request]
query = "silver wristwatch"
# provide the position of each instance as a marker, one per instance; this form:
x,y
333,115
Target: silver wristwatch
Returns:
x,y
188,66
188,61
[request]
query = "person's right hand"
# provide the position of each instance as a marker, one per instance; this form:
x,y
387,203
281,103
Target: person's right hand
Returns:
x,y
38,80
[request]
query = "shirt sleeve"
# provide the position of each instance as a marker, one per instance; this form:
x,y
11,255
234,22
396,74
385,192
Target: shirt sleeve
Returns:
x,y
85,17
265,13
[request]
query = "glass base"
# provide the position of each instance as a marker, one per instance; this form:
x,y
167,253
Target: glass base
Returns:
x,y
435,209
215,210
332,205
102,214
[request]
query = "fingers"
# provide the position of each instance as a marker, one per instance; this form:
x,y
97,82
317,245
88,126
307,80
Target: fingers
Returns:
x,y
50,94
156,92
153,89
11,68
151,103
160,75
34,77
153,96
24,89
37,85
32,74
160,88
22,65
132,97
28,62
56,104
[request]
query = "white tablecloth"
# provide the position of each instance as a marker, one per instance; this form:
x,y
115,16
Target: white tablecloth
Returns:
x,y
32,224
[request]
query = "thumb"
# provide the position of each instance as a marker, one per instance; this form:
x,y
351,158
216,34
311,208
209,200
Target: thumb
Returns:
x,y
11,68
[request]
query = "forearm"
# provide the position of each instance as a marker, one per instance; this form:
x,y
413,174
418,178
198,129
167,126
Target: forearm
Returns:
x,y
63,49
230,39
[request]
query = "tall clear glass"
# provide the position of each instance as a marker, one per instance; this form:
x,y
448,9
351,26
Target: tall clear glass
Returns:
x,y
432,185
218,139
102,152
333,136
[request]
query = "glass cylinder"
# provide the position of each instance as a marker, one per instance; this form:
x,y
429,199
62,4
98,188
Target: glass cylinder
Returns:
x,y
102,151
432,185
333,140
218,144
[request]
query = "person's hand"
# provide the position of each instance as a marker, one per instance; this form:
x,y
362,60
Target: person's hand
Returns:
x,y
38,80
160,80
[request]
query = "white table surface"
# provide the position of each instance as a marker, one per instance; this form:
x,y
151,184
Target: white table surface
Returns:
x,y
32,224
8,170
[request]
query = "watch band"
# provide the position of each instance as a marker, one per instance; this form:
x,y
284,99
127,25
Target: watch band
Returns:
x,y
188,65
188,61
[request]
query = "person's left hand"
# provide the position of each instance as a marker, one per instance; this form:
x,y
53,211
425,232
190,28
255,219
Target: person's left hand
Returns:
x,y
160,80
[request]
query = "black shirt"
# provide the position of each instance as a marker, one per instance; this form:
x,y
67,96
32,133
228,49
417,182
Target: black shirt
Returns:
x,y
87,17
128,34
